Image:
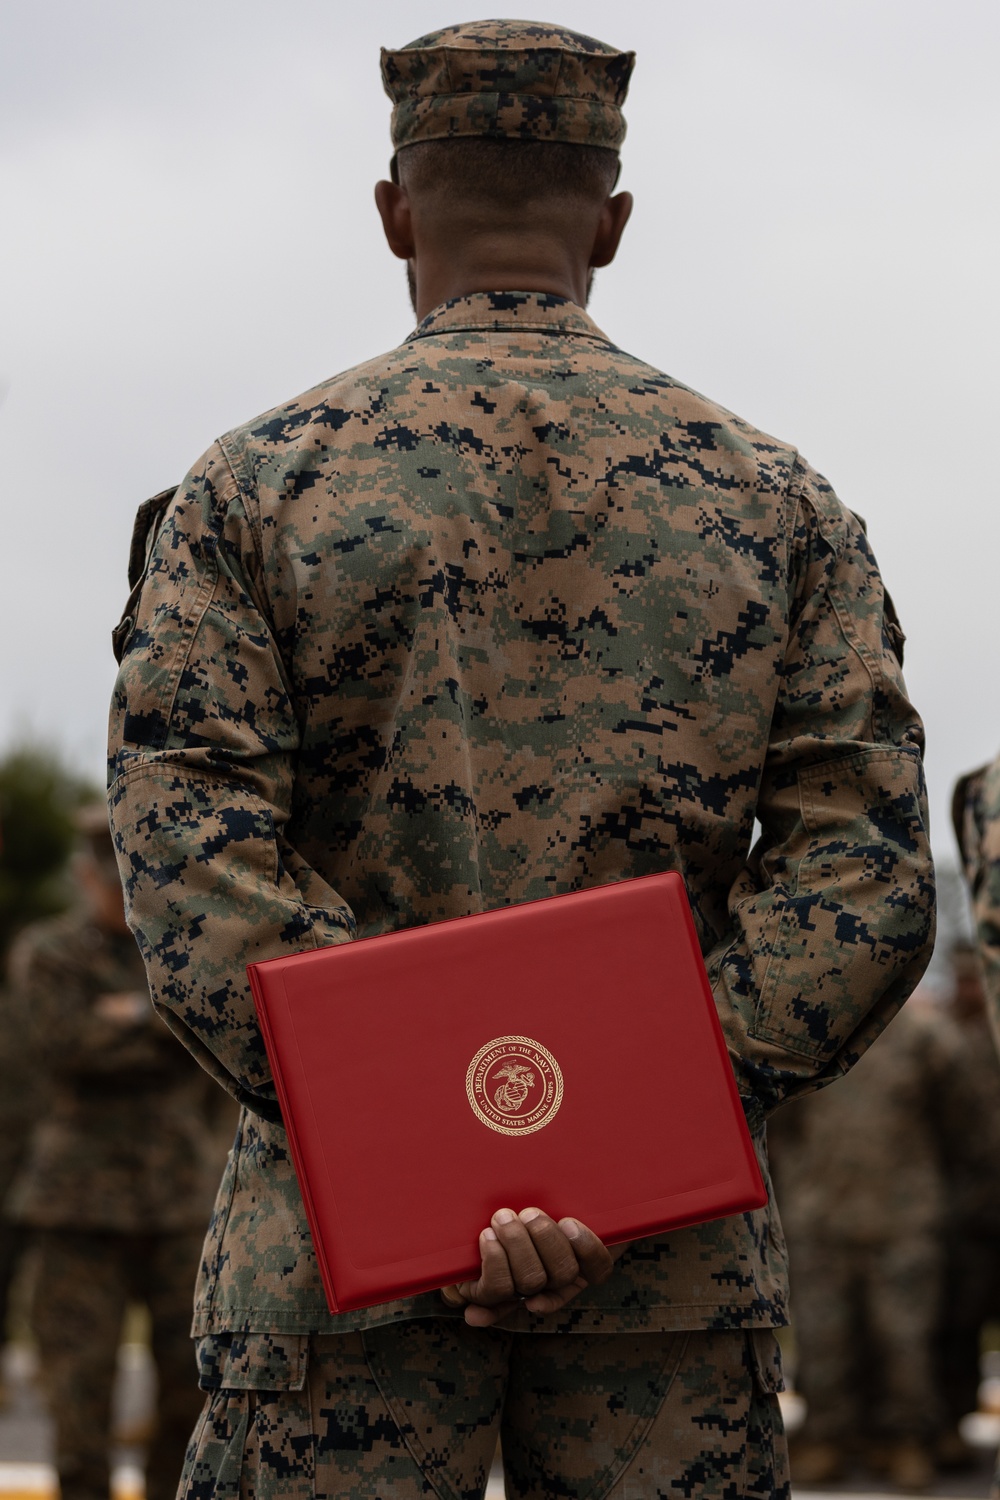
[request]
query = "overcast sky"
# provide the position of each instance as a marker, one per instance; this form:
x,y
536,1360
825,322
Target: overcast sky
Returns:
x,y
188,238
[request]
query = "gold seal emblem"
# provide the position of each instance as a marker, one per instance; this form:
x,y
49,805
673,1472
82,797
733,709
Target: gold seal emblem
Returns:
x,y
514,1085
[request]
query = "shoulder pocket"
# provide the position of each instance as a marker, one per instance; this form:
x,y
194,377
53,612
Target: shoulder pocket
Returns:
x,y
144,532
895,639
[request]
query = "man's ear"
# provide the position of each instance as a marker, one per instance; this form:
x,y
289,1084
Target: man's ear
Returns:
x,y
610,228
394,210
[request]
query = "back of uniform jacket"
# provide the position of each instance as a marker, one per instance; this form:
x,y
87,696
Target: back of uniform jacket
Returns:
x,y
501,614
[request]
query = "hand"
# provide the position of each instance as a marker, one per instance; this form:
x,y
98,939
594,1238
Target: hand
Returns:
x,y
124,1008
528,1258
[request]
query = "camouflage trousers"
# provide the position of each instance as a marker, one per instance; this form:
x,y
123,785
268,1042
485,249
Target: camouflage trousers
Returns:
x,y
971,1298
416,1409
864,1318
83,1283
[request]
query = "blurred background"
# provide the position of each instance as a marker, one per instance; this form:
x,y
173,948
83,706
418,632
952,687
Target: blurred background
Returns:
x,y
189,237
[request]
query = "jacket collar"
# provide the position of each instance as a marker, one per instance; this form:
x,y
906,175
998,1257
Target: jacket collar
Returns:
x,y
502,312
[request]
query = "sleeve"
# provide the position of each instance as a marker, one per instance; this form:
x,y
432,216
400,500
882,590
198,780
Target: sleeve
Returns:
x,y
203,743
832,918
62,1034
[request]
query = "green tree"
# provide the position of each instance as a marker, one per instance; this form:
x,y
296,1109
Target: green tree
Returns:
x,y
39,795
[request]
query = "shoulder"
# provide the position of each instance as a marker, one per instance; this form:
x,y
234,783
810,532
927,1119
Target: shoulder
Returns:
x,y
360,403
719,446
726,447
363,394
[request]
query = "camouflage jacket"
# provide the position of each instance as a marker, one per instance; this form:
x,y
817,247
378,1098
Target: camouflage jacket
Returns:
x,y
121,1143
973,1165
500,614
870,1161
976,816
22,1096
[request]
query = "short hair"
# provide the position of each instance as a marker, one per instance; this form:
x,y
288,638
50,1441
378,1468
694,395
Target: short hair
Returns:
x,y
508,173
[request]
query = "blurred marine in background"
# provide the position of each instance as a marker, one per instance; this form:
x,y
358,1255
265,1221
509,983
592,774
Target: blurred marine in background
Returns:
x,y
976,816
971,1293
117,1186
38,796
502,613
975,812
866,1174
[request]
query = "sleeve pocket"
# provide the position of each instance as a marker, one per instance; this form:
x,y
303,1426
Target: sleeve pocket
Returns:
x,y
147,523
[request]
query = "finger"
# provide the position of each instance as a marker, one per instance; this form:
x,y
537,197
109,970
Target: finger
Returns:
x,y
552,1247
492,1284
593,1256
496,1282
528,1273
485,1317
549,1302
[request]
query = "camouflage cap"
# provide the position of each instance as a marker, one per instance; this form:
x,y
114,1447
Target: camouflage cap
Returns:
x,y
508,80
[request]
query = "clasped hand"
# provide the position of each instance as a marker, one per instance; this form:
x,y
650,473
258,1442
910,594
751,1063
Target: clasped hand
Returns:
x,y
528,1258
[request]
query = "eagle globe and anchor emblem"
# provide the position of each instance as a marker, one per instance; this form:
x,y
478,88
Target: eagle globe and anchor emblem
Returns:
x,y
514,1084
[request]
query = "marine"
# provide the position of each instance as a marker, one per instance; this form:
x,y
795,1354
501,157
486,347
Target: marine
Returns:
x,y
862,1173
502,613
972,1231
115,1190
976,819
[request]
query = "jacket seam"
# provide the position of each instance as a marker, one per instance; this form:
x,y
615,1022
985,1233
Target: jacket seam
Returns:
x,y
246,488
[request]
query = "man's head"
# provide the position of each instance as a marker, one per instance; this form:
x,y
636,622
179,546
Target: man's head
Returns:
x,y
506,137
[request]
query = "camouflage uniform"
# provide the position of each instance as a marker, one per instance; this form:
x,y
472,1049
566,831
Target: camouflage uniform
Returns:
x,y
861,1176
387,1412
117,1190
972,1228
976,816
21,1100
500,614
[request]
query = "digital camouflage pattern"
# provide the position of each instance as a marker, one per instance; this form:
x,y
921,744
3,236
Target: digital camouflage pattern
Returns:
x,y
874,1383
501,614
117,1187
82,1284
972,1226
869,1160
976,815
122,1143
21,1100
416,1410
862,1174
507,80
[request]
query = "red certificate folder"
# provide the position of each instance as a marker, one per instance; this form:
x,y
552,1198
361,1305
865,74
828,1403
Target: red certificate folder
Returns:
x,y
562,1053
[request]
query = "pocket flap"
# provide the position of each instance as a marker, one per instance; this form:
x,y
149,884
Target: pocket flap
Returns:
x,y
252,1361
147,524
765,1355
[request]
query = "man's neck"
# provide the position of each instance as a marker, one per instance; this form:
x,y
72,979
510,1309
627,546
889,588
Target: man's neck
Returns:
x,y
436,279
